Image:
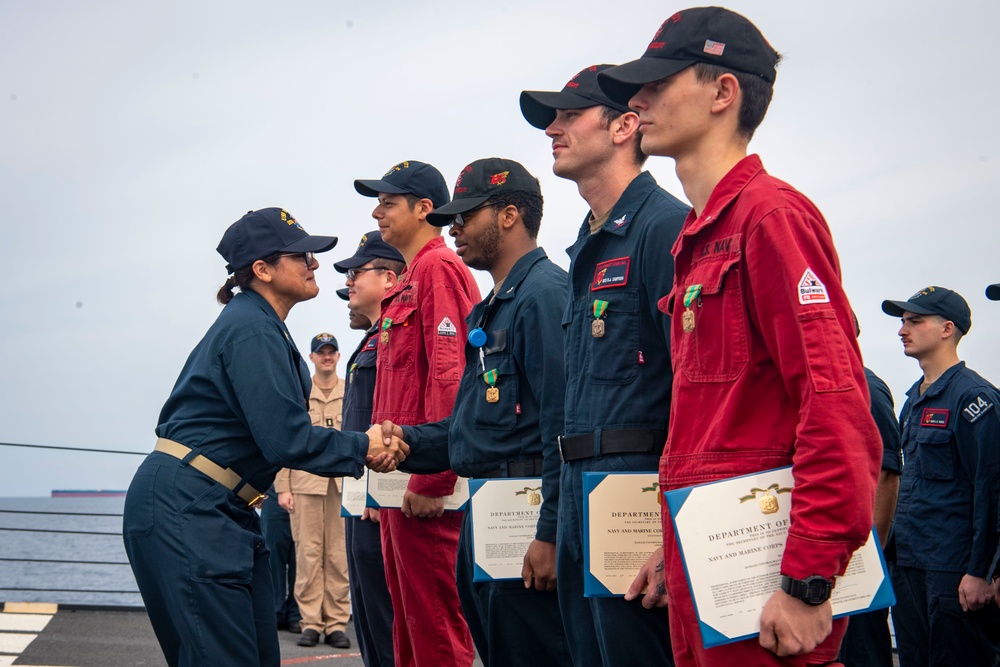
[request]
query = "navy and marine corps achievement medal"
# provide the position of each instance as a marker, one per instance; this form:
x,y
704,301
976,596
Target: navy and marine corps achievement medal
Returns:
x,y
492,393
386,323
690,294
597,326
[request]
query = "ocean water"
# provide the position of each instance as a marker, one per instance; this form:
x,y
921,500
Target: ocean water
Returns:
x,y
88,578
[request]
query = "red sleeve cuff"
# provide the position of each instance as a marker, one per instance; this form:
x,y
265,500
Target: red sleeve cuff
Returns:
x,y
433,486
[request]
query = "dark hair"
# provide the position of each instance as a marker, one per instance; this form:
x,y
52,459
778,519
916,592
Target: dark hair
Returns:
x,y
529,205
242,278
609,114
757,94
412,199
393,265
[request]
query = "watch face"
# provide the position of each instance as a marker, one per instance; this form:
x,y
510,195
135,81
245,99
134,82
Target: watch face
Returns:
x,y
817,591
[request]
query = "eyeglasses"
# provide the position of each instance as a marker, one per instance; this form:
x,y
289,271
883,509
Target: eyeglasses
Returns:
x,y
307,257
352,274
459,219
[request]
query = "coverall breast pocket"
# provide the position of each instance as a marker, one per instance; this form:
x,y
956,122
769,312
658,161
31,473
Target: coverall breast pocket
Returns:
x,y
935,455
499,414
716,348
398,347
614,355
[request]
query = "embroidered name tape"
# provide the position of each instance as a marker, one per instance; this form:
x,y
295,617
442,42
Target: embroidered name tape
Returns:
x,y
612,273
937,417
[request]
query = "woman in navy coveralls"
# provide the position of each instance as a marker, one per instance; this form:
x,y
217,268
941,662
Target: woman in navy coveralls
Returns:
x,y
193,537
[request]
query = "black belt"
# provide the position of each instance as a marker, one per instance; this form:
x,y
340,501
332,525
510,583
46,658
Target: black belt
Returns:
x,y
523,468
622,441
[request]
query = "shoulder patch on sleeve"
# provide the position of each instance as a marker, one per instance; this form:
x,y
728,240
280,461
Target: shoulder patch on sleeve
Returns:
x,y
447,328
978,407
811,290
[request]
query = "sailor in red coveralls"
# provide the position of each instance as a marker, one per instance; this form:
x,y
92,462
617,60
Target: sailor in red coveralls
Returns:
x,y
420,361
767,371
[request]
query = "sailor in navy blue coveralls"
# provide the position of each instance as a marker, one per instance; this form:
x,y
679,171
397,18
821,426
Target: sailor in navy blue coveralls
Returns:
x,y
505,439
946,519
195,544
370,601
509,407
617,401
945,533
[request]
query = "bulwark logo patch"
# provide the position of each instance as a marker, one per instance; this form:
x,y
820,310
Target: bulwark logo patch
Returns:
x,y
447,328
612,273
977,408
811,290
936,417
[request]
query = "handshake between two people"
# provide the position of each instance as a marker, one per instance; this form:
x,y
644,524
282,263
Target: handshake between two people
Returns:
x,y
386,449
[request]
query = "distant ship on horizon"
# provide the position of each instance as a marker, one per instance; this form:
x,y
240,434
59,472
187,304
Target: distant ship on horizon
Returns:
x,y
88,493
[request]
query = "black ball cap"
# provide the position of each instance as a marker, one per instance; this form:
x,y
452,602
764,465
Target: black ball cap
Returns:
x,y
581,92
483,180
371,247
712,35
260,234
409,177
321,339
934,300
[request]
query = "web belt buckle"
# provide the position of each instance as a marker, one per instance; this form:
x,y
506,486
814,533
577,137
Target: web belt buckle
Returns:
x,y
257,501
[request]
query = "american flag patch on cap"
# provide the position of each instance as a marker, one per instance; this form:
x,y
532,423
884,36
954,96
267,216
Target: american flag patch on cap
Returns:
x,y
714,48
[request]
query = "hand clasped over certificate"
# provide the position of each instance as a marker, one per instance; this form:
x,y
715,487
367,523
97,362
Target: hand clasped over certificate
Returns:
x,y
732,536
385,490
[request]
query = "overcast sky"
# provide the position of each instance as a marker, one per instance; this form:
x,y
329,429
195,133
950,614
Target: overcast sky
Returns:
x,y
133,133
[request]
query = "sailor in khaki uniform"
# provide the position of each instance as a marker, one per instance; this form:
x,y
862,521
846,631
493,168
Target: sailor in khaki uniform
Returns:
x,y
321,583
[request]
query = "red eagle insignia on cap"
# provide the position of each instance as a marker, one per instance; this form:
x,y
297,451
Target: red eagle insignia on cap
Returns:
x,y
458,181
499,179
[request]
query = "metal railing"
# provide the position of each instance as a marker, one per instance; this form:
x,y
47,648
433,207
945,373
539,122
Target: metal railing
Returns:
x,y
21,584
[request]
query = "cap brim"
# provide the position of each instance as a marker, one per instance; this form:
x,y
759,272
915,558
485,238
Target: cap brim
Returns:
x,y
344,293
621,83
372,188
993,292
312,244
897,308
442,217
352,262
539,106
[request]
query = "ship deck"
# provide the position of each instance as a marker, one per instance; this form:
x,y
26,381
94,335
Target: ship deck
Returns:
x,y
53,636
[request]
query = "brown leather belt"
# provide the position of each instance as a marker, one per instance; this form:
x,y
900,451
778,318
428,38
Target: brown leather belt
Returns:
x,y
621,441
224,476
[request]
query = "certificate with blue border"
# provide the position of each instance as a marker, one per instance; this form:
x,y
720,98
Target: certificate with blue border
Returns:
x,y
354,495
622,526
732,535
504,515
385,491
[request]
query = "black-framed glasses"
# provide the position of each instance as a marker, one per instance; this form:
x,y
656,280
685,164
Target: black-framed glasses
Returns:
x,y
307,257
352,274
459,219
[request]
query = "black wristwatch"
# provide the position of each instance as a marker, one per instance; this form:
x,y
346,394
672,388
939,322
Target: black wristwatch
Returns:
x,y
814,590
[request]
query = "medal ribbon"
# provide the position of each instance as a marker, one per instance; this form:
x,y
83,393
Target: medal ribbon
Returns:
x,y
490,377
600,307
386,323
690,294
